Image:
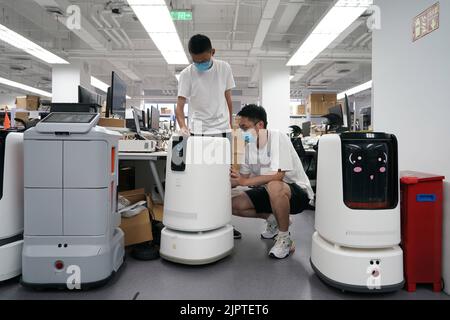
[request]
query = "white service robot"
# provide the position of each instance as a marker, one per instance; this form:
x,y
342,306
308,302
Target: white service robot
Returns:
x,y
356,243
197,204
11,203
71,238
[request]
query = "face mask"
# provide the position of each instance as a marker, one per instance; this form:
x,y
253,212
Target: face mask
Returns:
x,y
204,66
248,137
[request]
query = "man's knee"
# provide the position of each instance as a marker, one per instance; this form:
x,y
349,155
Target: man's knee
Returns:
x,y
278,189
238,204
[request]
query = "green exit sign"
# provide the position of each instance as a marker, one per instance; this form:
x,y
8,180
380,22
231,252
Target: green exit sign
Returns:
x,y
181,15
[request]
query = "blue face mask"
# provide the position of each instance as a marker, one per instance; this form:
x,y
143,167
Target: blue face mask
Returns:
x,y
203,66
248,137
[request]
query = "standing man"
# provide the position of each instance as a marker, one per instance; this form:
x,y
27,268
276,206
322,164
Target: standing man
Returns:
x,y
207,84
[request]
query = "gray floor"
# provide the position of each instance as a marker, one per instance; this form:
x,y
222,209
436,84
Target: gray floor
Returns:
x,y
248,274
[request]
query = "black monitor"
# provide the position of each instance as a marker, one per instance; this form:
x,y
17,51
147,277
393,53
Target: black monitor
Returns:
x,y
145,123
155,119
86,96
118,96
149,118
138,120
108,103
335,118
338,113
74,107
306,129
348,114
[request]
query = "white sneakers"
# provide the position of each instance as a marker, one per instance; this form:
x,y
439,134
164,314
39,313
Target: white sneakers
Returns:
x,y
271,230
283,247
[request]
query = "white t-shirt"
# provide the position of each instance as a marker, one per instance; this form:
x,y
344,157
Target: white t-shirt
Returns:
x,y
282,156
206,94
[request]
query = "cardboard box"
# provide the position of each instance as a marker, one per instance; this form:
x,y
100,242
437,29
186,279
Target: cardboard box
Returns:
x,y
137,229
24,116
319,103
299,110
112,123
28,102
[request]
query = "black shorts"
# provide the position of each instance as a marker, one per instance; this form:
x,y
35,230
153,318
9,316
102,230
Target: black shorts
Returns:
x,y
261,201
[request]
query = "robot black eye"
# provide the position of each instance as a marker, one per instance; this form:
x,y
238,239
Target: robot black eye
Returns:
x,y
378,262
371,262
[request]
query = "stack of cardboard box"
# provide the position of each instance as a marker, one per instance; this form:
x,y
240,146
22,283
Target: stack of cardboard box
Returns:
x,y
30,103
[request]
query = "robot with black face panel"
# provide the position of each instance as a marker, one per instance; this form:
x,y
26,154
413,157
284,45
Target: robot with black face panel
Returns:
x,y
356,243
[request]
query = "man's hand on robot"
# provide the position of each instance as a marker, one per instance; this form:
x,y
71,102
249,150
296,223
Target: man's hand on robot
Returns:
x,y
184,132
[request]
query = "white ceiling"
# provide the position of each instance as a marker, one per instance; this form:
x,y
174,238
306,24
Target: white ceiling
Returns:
x,y
241,36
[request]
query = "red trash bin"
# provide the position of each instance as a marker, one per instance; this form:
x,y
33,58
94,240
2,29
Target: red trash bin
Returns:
x,y
421,209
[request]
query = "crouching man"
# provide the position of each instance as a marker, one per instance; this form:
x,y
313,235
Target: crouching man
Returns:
x,y
278,183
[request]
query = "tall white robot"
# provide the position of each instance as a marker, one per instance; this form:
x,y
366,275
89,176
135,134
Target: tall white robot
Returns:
x,y
11,203
356,243
197,205
71,238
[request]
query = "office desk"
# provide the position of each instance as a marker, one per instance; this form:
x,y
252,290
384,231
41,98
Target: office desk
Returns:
x,y
151,158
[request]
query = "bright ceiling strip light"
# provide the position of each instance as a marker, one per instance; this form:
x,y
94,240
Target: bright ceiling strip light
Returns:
x,y
355,90
157,21
336,21
22,43
99,84
24,87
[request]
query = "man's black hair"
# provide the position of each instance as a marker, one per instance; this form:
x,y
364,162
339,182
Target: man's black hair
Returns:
x,y
254,113
199,44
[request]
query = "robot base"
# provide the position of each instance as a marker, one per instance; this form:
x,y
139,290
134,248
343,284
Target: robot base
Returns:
x,y
11,260
357,270
96,263
196,248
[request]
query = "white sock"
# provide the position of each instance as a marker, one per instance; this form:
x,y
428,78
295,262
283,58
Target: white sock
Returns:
x,y
271,220
283,234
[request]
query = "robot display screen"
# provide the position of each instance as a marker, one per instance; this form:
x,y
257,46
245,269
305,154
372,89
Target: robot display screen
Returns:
x,y
367,175
69,118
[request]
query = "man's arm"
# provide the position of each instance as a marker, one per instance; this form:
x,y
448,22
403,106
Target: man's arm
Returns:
x,y
245,181
179,112
230,106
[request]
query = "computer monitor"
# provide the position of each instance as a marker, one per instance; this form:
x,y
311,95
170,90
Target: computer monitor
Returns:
x,y
74,107
155,119
145,123
118,96
137,119
149,118
108,103
348,115
306,129
86,96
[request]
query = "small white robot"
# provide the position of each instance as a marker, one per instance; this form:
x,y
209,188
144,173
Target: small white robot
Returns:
x,y
356,243
197,204
11,203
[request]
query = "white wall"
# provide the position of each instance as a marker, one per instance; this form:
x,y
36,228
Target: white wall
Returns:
x,y
275,94
411,93
67,78
8,100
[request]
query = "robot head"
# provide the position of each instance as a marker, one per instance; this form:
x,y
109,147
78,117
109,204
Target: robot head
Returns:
x,y
369,161
369,171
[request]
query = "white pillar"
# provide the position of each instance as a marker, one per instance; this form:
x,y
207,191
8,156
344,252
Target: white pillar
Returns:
x,y
65,81
275,92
